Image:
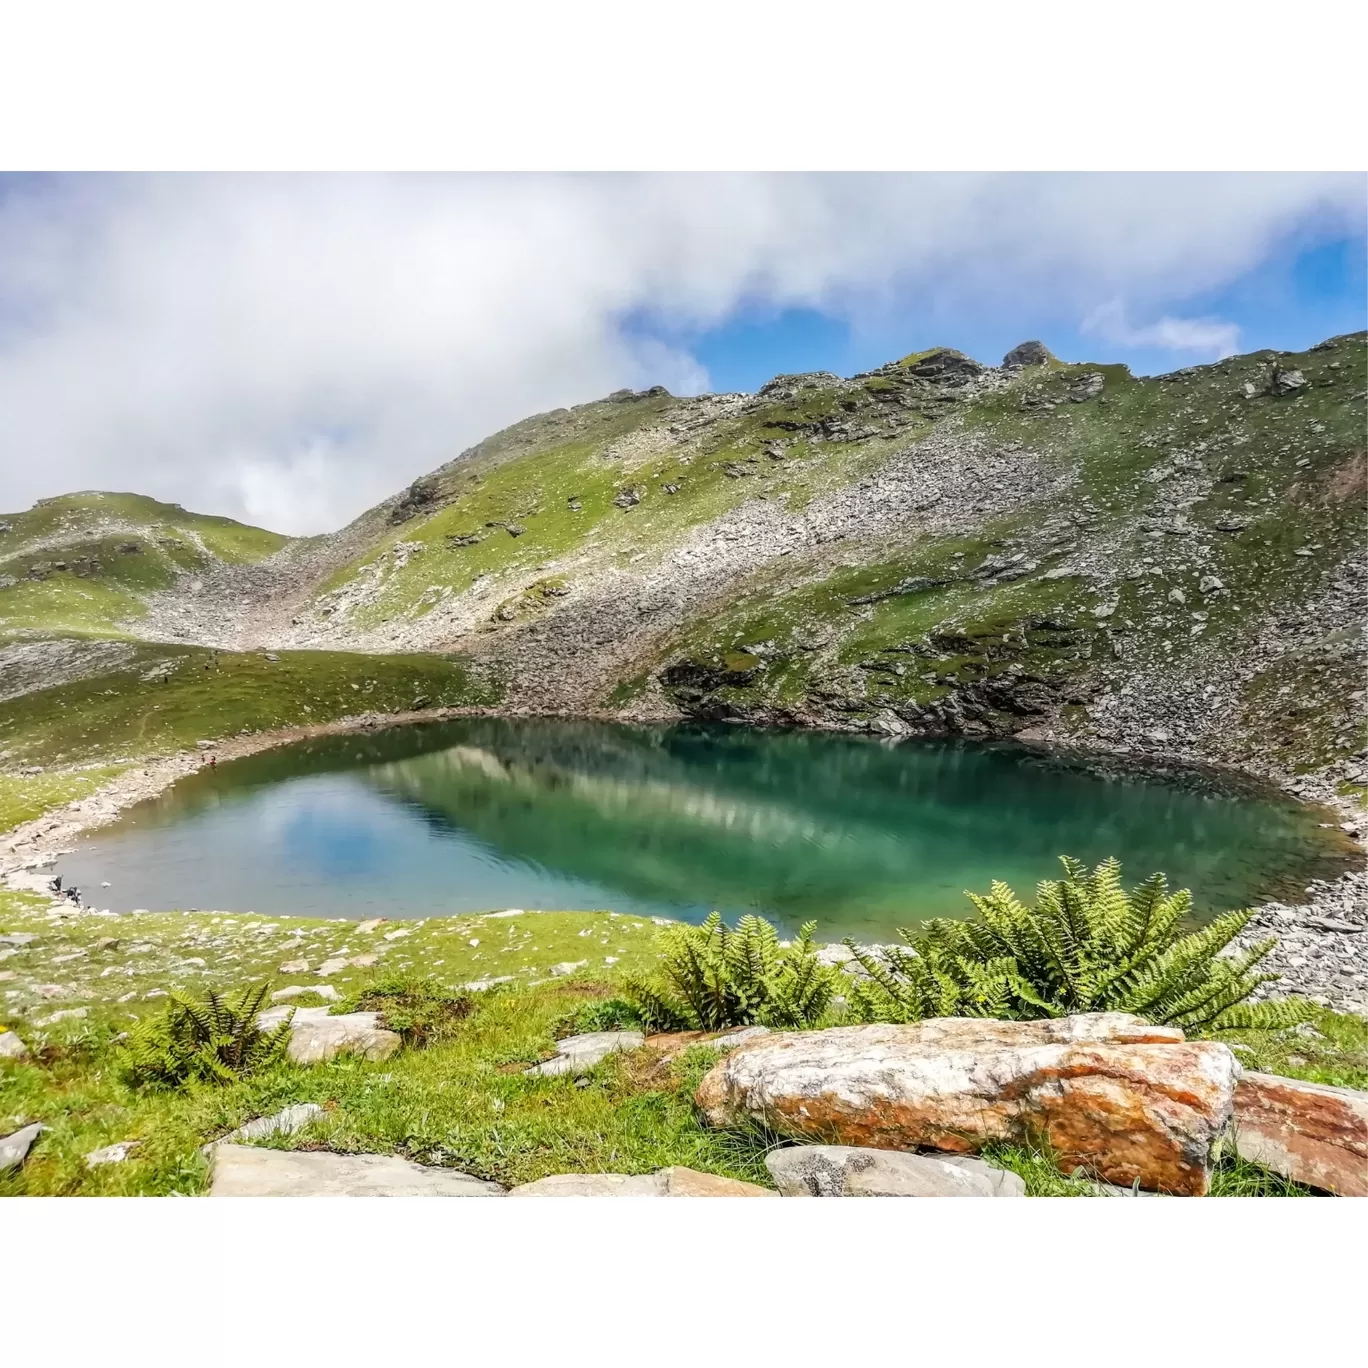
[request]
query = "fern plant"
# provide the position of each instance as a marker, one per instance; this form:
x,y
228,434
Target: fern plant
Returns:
x,y
214,1041
711,977
1086,946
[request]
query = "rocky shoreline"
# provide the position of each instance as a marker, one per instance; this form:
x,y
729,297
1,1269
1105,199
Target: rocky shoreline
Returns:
x,y
1323,942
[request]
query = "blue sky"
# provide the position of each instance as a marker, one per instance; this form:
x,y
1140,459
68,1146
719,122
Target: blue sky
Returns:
x,y
289,350
1300,295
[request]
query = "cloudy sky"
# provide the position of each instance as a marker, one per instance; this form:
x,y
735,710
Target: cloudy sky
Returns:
x,y
289,350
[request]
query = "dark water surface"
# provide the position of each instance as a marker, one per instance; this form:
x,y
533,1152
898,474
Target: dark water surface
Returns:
x,y
533,813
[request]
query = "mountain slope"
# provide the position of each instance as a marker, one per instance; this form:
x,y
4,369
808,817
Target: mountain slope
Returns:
x,y
1171,564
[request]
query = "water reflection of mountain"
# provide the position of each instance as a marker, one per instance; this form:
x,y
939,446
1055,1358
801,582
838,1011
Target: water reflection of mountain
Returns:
x,y
815,825
853,832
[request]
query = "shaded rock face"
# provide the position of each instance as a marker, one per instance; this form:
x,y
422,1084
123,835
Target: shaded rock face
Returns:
x,y
846,1171
1309,1132
1027,354
947,367
1126,1100
243,1171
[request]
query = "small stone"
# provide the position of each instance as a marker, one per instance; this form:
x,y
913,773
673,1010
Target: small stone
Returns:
x,y
11,1047
324,990
366,927
285,1122
579,1054
1334,924
566,967
111,1154
296,966
1210,583
14,1148
332,966
70,1014
363,961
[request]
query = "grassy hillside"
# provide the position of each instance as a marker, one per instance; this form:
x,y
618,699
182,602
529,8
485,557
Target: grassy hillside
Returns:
x,y
1058,550
83,564
168,697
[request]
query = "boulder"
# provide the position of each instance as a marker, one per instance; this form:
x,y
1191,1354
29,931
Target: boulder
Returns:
x,y
11,1047
1123,1099
668,1182
1027,354
579,1054
244,1171
14,1148
1308,1132
848,1171
315,1036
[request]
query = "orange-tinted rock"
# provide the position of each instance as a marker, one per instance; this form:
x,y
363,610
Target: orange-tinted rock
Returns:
x,y
1123,1099
667,1182
687,1182
1309,1132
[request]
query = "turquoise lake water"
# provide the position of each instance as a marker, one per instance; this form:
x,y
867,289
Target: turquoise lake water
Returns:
x,y
861,835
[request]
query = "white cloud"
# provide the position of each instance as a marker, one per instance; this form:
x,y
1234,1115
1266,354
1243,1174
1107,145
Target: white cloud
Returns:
x,y
292,349
1212,337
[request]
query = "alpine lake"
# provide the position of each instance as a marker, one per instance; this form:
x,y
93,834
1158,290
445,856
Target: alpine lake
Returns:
x,y
860,835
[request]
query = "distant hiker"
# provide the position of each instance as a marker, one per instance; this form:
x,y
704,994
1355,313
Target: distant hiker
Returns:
x,y
55,884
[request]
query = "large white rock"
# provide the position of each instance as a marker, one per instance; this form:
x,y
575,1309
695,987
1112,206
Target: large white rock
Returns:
x,y
579,1054
1109,1092
11,1047
315,1036
244,1171
850,1171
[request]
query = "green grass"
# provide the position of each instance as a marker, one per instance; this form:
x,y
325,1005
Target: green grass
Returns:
x,y
462,1101
26,796
171,696
102,585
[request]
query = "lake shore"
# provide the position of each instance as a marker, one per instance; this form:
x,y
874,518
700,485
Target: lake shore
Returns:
x,y
1323,941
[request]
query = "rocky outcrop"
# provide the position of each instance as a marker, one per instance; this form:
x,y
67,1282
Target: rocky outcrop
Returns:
x,y
1308,1132
668,1182
1127,1101
845,1171
1027,354
243,1171
315,1036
